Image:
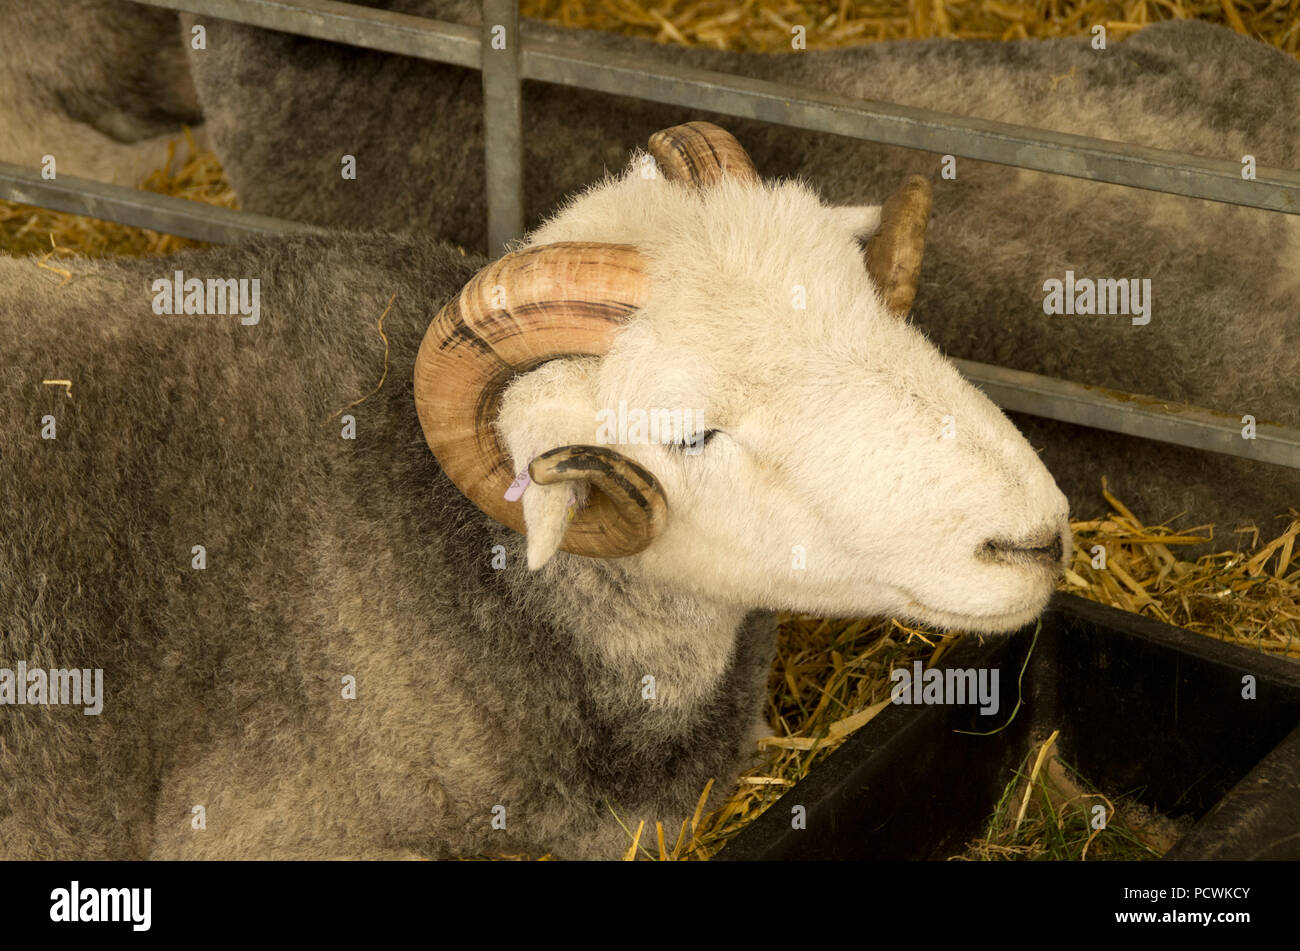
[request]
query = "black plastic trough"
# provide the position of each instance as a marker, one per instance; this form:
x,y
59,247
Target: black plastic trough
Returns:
x,y
1140,705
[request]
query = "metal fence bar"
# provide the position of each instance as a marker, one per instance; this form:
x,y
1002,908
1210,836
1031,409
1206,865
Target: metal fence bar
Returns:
x,y
1132,415
781,103
503,124
1005,144
179,216
346,23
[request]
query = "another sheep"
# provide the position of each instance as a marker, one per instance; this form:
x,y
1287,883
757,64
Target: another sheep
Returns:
x,y
98,85
1223,279
497,708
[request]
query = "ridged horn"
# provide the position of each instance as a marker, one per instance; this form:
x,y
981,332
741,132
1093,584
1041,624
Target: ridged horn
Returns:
x,y
557,300
894,252
629,507
700,153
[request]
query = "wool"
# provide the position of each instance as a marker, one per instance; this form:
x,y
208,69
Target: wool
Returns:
x,y
365,665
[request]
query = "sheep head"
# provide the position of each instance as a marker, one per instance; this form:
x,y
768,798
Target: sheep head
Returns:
x,y
816,453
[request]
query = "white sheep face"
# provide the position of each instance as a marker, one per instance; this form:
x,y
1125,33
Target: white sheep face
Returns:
x,y
850,469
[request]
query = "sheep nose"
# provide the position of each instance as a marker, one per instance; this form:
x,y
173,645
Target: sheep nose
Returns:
x,y
1047,547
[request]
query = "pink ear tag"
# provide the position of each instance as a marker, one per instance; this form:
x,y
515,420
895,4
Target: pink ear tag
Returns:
x,y
516,490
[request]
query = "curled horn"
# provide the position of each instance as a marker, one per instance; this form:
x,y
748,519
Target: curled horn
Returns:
x,y
894,251
700,153
629,507
556,300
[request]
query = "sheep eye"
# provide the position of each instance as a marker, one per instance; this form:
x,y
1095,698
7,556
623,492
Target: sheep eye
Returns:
x,y
696,442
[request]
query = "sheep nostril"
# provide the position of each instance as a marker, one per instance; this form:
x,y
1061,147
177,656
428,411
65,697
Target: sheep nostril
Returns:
x,y
1003,550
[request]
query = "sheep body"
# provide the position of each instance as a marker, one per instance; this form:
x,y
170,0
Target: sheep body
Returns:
x,y
1223,279
325,557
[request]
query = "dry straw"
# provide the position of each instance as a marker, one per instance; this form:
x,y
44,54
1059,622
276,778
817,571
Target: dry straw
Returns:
x,y
768,25
831,677
198,177
1062,818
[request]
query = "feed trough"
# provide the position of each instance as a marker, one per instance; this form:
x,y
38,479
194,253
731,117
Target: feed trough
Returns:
x,y
1141,706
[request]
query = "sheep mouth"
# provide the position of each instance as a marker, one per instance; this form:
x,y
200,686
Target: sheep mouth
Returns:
x,y
995,622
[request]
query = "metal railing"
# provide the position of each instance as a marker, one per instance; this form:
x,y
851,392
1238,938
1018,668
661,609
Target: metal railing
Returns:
x,y
506,65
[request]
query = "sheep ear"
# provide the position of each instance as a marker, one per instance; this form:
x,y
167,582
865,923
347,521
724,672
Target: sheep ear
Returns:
x,y
894,251
628,500
548,509
585,499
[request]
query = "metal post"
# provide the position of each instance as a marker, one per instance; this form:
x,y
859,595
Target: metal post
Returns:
x,y
503,130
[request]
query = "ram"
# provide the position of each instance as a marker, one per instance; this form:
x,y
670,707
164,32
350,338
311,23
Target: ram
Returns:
x,y
1223,280
314,645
